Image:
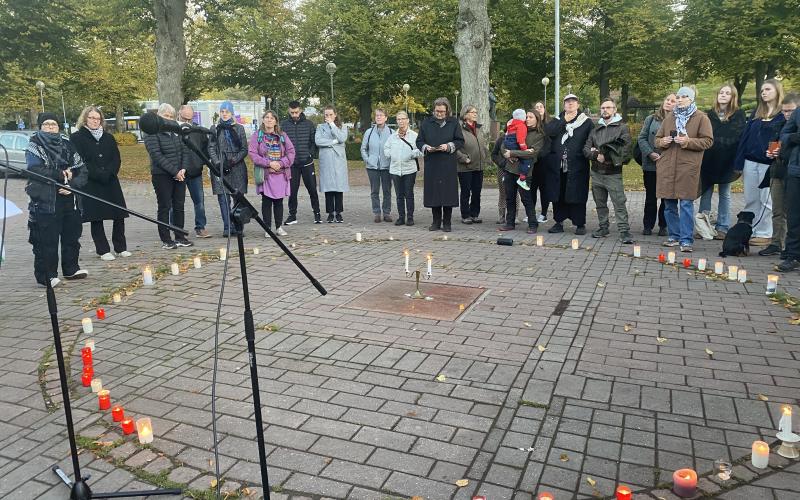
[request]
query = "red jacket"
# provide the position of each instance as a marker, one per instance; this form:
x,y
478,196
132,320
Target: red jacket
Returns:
x,y
519,129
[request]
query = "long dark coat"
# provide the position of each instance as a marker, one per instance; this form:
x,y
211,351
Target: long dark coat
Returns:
x,y
577,189
718,162
441,169
223,153
548,165
102,162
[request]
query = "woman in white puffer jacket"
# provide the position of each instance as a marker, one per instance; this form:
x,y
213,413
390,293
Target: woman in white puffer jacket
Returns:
x,y
404,158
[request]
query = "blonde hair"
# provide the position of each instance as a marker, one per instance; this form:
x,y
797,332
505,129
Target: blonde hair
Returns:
x,y
85,113
733,106
660,114
763,110
165,107
263,128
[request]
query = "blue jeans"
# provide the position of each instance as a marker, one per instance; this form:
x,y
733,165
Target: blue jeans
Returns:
x,y
681,228
225,209
723,206
195,187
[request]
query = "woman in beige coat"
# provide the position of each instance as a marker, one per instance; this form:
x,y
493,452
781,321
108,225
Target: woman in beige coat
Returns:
x,y
684,135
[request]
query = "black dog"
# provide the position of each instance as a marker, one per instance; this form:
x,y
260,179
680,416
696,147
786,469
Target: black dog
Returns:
x,y
737,241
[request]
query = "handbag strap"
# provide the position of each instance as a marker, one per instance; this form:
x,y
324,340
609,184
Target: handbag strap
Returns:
x,y
416,160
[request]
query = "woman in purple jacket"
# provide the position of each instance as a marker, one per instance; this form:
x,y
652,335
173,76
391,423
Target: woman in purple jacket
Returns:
x,y
273,155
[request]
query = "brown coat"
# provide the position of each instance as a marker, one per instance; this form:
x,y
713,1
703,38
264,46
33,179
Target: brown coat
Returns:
x,y
678,169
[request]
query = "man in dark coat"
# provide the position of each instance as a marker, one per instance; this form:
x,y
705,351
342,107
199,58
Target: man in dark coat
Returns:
x,y
574,128
439,138
194,172
228,149
301,133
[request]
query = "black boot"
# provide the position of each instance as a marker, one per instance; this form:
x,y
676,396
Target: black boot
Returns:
x,y
437,219
446,219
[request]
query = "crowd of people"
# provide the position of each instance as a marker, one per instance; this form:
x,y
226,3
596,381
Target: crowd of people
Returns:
x,y
684,153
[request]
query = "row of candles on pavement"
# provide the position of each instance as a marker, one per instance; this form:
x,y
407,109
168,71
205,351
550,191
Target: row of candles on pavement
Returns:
x,y
174,269
143,426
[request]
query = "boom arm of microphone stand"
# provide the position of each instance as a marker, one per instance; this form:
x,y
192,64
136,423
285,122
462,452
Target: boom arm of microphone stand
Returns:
x,y
48,180
242,199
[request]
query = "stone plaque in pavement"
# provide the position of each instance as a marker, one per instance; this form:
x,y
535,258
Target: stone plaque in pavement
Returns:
x,y
441,302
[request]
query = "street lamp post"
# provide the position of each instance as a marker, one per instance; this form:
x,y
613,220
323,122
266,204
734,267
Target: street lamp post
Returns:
x,y
331,69
406,87
558,57
455,110
269,103
545,82
40,86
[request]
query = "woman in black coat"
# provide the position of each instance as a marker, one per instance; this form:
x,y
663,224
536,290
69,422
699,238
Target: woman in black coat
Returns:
x,y
101,156
439,138
228,149
547,169
573,129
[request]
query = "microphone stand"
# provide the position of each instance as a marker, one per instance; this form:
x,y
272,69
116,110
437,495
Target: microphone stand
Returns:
x,y
79,487
243,212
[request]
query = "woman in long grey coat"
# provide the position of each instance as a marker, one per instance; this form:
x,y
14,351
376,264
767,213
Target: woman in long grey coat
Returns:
x,y
228,149
330,138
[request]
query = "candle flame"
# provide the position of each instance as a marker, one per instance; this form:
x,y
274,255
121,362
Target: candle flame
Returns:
x,y
787,410
429,257
405,252
687,476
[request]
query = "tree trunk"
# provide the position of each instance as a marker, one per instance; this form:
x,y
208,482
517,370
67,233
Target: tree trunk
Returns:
x,y
623,101
474,52
602,79
740,82
760,73
365,112
771,70
170,50
120,118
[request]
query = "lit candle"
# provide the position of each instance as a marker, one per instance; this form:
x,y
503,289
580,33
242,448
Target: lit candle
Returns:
x,y
430,265
733,272
147,276
117,413
174,269
685,482
742,276
127,426
89,343
772,283
97,385
405,253
539,240
325,241
671,257
223,254
637,251
104,399
760,456
86,356
391,238
145,430
575,244
546,496
358,236
117,298
101,313
256,251
701,264
687,263
198,262
86,323
623,493
785,424
444,237
86,376
662,258
718,267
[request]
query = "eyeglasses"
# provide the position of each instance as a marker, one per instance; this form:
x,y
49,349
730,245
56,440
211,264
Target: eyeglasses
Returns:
x,y
93,118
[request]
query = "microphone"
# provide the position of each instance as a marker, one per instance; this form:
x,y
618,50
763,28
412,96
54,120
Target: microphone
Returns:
x,y
151,123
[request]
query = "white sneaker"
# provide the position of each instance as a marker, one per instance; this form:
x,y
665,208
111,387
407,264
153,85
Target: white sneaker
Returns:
x,y
79,275
125,253
281,232
54,282
107,256
541,218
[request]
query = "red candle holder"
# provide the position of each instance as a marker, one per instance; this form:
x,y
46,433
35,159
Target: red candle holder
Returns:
x,y
546,496
117,414
662,258
104,399
101,313
127,426
86,356
687,263
86,378
624,493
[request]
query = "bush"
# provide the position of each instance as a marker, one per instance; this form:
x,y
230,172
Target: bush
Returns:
x,y
125,138
353,150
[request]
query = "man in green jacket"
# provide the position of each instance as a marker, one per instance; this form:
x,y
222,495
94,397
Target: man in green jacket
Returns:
x,y
608,147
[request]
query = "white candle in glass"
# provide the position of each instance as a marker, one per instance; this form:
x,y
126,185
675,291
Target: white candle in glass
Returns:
x,y
256,251
671,257
637,251
701,265
117,298
223,254
575,244
772,283
97,385
174,269
760,456
358,236
539,240
719,267
742,276
733,272
198,262
147,276
86,323
785,424
144,428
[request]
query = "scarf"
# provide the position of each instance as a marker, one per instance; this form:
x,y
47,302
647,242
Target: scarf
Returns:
x,y
613,119
96,133
570,127
682,116
55,147
230,134
472,127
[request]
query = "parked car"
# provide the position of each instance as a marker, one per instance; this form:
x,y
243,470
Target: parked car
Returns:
x,y
15,142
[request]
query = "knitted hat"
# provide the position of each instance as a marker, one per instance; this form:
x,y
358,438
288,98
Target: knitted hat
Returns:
x,y
226,105
570,96
43,117
518,114
687,91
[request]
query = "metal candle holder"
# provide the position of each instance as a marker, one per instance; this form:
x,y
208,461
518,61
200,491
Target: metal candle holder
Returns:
x,y
418,293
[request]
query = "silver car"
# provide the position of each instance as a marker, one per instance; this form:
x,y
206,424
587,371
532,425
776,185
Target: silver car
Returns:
x,y
15,142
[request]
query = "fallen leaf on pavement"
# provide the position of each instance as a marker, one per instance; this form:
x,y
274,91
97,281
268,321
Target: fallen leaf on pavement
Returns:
x,y
564,457
601,284
213,483
527,324
104,443
709,351
661,340
541,348
762,397
628,327
462,482
441,377
591,481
